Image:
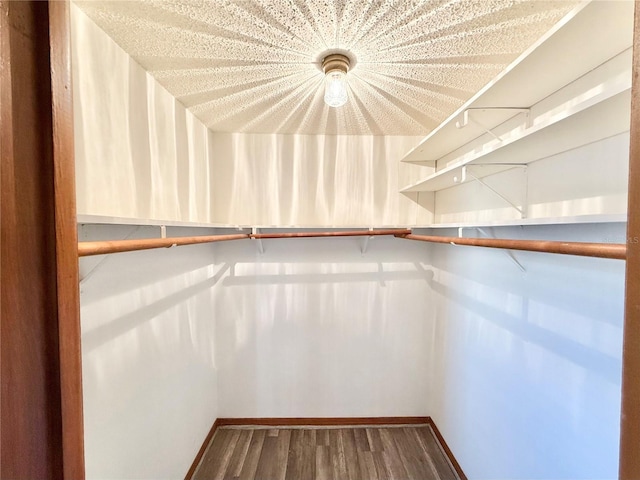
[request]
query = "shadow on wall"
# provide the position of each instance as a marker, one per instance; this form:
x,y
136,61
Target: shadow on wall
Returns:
x,y
524,326
139,152
148,344
133,270
378,275
313,327
105,333
528,364
308,180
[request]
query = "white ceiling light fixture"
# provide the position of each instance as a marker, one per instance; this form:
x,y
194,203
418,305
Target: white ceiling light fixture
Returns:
x,y
335,68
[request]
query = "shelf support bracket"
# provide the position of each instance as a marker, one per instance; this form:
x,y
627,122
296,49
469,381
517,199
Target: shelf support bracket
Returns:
x,y
163,234
466,172
508,253
466,119
365,244
255,231
104,259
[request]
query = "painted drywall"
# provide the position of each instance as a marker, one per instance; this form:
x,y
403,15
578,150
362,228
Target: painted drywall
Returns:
x,y
526,365
139,152
148,355
520,370
315,328
313,180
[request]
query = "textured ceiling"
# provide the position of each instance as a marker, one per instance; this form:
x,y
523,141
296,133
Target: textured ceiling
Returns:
x,y
252,65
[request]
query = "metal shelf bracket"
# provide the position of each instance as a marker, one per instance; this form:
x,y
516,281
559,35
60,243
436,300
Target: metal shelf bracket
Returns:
x,y
255,231
508,253
105,258
163,234
365,243
466,173
466,119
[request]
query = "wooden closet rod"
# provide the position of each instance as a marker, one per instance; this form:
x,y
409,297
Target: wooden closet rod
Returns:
x,y
86,249
602,250
356,233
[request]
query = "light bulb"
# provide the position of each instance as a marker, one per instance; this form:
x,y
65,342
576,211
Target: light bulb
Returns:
x,y
335,67
335,88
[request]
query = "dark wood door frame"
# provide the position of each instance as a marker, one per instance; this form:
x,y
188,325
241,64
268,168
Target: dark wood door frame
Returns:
x,y
630,409
41,410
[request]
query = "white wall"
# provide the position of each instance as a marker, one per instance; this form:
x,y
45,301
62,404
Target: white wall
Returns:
x,y
173,339
148,356
527,365
520,371
139,153
312,180
313,328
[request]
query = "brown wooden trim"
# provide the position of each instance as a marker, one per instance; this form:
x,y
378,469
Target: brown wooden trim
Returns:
x,y
322,421
32,369
352,233
630,408
68,294
447,450
116,246
602,250
203,449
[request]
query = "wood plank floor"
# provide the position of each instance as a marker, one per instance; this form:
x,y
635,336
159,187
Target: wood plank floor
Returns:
x,y
308,453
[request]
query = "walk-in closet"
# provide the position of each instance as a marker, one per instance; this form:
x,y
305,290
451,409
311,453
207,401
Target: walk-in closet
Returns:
x,y
347,240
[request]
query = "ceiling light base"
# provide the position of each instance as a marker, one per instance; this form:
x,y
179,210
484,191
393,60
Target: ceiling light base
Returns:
x,y
335,61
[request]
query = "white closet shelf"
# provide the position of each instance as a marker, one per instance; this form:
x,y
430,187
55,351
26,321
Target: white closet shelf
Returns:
x,y
568,220
602,114
609,218
109,220
569,39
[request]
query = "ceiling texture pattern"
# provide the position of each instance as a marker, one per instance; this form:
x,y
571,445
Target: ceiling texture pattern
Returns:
x,y
254,65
